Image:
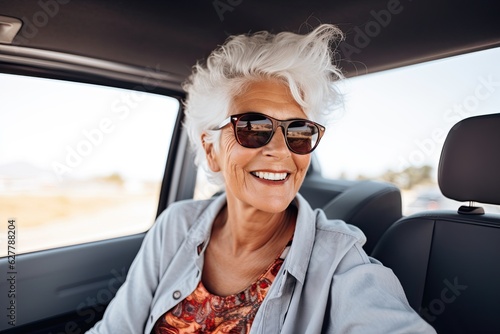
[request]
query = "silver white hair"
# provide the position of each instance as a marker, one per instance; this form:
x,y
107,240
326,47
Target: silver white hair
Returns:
x,y
303,62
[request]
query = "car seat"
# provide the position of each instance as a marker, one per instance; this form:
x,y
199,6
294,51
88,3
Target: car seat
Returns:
x,y
370,205
448,261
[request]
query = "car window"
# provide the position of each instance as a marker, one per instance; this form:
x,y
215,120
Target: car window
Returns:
x,y
79,162
394,123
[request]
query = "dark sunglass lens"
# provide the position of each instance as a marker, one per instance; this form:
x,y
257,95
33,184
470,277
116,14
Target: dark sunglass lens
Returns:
x,y
302,136
253,130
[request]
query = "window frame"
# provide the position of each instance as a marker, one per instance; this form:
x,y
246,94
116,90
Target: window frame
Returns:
x,y
179,169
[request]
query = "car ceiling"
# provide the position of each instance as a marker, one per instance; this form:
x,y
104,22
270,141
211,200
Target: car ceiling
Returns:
x,y
173,35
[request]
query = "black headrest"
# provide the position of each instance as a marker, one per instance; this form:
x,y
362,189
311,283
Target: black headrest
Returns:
x,y
469,168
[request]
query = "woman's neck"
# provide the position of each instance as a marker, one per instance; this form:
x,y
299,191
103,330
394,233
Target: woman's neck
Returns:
x,y
251,230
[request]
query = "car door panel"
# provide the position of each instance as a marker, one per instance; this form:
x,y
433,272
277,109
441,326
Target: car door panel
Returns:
x,y
77,279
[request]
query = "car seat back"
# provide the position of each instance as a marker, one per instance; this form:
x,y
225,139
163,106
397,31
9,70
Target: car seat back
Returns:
x,y
447,261
372,206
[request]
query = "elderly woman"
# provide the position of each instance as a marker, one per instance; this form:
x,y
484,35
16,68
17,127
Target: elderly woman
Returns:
x,y
258,259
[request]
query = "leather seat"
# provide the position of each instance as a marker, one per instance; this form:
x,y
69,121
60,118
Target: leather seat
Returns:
x,y
372,206
449,261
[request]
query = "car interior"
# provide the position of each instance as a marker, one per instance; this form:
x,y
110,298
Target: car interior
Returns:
x,y
445,259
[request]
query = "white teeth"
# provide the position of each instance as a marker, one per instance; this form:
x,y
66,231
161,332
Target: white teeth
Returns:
x,y
270,176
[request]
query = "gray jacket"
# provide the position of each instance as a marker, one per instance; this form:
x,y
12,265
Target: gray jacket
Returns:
x,y
327,283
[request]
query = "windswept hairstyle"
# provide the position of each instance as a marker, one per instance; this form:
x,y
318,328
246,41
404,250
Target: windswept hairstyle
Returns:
x,y
303,62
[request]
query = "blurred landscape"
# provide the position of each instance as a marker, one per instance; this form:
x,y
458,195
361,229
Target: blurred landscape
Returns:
x,y
52,213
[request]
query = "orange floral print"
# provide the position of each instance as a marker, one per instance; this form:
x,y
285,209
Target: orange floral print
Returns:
x,y
203,312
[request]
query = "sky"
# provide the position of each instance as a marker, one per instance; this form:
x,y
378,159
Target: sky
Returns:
x,y
390,120
400,117
60,126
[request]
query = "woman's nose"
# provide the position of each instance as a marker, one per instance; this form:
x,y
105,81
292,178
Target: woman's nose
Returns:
x,y
277,145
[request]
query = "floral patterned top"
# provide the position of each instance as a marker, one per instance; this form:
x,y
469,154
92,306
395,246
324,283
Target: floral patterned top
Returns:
x,y
203,312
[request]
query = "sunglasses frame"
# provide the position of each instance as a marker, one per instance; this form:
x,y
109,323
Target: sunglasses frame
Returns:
x,y
284,124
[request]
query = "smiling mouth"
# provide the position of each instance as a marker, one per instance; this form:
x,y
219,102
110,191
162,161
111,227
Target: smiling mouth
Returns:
x,y
270,176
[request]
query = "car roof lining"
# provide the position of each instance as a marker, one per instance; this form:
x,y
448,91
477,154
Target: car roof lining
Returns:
x,y
172,36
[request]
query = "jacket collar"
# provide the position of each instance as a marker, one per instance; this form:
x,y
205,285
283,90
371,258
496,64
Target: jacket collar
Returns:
x,y
303,240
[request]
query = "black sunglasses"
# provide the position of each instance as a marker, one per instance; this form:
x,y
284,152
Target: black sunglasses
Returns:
x,y
254,130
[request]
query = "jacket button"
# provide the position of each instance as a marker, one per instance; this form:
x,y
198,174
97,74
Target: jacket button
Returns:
x,y
176,294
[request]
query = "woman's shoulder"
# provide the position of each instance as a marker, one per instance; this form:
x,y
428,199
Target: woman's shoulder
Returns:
x,y
185,214
187,206
342,241
333,227
332,236
339,227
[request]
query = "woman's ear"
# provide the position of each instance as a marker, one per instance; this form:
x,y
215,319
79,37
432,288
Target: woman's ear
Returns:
x,y
210,153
